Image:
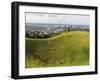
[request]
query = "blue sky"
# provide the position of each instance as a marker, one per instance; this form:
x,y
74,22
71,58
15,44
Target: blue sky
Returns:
x,y
57,18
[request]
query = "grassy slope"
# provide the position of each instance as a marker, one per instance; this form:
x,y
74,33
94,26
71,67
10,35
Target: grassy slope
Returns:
x,y
67,49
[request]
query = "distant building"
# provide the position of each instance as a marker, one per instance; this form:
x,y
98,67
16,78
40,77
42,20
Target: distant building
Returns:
x,y
41,28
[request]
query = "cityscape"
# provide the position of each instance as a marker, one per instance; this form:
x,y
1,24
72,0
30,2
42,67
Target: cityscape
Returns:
x,y
46,29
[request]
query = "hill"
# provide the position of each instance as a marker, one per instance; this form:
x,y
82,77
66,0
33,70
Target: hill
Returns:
x,y
67,49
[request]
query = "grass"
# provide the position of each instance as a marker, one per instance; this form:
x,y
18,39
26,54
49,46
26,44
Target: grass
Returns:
x,y
66,49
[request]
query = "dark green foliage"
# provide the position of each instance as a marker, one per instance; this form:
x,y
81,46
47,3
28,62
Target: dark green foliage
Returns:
x,y
41,35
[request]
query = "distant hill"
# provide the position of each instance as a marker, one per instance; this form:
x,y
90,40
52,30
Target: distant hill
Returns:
x,y
49,24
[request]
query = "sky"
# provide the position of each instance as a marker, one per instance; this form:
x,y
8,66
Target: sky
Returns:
x,y
57,18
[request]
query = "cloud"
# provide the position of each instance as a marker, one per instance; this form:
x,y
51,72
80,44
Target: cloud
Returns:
x,y
57,18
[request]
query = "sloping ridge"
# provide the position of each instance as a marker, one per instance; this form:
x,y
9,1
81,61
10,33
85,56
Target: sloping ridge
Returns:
x,y
67,49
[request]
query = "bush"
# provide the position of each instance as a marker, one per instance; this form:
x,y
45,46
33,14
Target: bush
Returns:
x,y
41,35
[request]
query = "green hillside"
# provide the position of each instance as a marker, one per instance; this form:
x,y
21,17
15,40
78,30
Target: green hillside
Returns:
x,y
66,49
